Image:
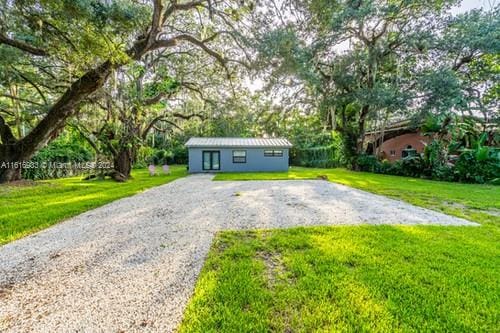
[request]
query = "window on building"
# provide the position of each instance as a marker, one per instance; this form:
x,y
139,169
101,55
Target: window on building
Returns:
x,y
239,156
393,153
273,153
408,151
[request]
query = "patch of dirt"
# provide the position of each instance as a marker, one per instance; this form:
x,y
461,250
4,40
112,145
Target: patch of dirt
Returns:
x,y
22,183
296,204
275,269
19,183
491,211
54,255
5,289
456,205
9,187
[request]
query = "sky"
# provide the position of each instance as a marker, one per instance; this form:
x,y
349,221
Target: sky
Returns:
x,y
471,4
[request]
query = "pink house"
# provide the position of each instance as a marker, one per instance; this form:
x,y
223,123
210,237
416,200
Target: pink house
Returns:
x,y
396,141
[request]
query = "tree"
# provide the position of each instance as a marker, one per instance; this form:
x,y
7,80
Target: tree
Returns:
x,y
62,41
469,48
137,99
364,60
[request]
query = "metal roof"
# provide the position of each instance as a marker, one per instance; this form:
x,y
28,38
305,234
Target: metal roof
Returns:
x,y
238,142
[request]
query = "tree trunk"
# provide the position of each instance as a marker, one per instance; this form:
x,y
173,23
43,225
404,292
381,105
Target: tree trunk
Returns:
x,y
361,128
123,164
55,120
360,136
10,163
50,126
9,175
349,138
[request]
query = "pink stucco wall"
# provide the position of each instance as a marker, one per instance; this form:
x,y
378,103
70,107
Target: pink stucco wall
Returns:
x,y
392,149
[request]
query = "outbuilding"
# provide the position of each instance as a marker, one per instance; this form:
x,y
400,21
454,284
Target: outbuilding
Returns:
x,y
238,154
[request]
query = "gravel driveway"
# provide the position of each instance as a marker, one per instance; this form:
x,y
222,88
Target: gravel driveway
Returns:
x,y
131,265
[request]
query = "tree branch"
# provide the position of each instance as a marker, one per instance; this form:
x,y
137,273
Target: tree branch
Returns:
x,y
151,125
193,40
7,112
174,6
32,83
6,133
168,122
21,99
188,116
163,118
22,46
157,98
85,134
464,60
61,33
156,21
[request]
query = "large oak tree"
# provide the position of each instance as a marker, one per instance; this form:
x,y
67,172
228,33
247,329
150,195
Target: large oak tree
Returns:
x,y
55,54
363,60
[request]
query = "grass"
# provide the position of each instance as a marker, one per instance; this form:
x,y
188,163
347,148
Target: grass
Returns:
x,y
26,209
358,278
349,279
475,202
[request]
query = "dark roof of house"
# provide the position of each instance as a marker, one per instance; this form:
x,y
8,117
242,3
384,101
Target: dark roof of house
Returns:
x,y
408,126
396,126
239,142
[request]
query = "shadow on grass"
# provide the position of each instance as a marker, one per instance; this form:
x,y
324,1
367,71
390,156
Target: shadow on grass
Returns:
x,y
27,209
362,278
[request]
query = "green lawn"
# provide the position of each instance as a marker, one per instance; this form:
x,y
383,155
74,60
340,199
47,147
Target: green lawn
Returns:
x,y
349,279
358,278
27,209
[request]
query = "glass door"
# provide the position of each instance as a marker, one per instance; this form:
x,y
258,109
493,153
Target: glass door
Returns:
x,y
216,160
211,160
206,160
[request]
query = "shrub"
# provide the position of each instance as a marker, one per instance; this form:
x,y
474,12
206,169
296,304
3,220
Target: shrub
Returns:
x,y
323,150
396,168
478,166
66,150
472,166
144,154
412,166
368,163
179,155
386,167
444,172
161,157
318,157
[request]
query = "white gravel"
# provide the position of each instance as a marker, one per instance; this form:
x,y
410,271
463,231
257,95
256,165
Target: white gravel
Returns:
x,y
131,266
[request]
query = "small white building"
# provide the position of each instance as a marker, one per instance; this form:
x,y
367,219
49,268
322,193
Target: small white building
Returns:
x,y
238,154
